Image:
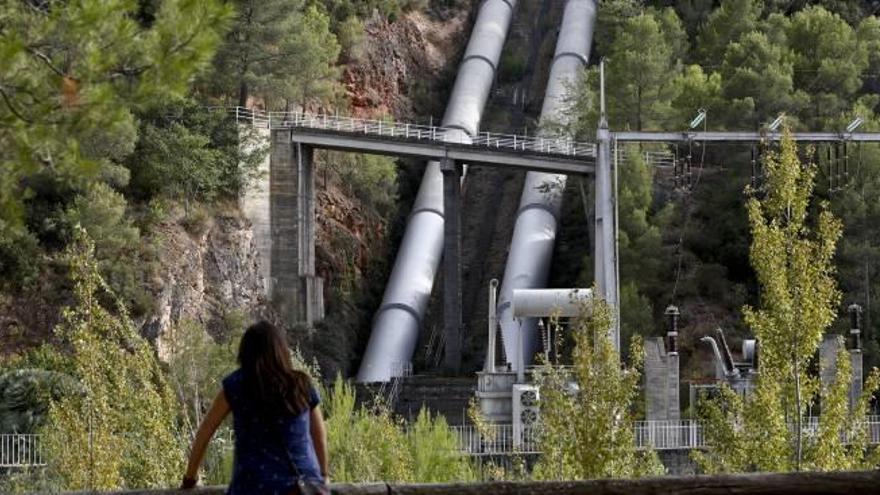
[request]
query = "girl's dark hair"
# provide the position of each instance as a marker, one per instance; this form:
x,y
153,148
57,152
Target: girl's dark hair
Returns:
x,y
265,361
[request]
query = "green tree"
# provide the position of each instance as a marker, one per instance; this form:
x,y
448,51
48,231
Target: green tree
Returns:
x,y
368,444
587,414
758,81
121,431
697,90
187,152
829,58
793,264
791,254
639,245
72,74
101,212
196,366
280,51
727,24
644,55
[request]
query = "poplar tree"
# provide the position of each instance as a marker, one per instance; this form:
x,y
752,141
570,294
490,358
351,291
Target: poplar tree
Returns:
x,y
587,414
121,429
792,254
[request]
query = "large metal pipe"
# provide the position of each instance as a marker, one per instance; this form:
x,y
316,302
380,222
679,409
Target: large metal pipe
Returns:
x,y
397,322
541,303
531,249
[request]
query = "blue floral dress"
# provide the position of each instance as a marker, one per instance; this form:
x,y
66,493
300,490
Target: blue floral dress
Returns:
x,y
266,442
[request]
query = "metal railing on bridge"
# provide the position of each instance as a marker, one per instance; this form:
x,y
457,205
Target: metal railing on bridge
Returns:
x,y
17,451
20,450
500,439
496,440
669,435
408,131
653,158
656,435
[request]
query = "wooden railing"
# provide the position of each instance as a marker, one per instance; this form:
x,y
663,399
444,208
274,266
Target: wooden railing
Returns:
x,y
842,483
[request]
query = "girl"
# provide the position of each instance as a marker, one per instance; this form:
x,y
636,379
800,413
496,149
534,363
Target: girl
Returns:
x,y
280,440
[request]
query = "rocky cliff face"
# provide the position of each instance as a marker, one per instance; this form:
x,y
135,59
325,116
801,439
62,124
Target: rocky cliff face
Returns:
x,y
401,63
208,276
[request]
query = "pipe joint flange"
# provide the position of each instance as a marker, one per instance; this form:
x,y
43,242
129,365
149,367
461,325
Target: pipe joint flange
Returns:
x,y
580,56
508,2
427,210
405,307
484,58
539,206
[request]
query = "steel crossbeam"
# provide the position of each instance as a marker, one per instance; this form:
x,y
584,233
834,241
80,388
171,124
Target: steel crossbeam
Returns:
x,y
742,137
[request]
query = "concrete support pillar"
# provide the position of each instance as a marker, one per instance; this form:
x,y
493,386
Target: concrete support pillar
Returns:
x,y
297,292
829,351
452,265
661,382
855,390
605,256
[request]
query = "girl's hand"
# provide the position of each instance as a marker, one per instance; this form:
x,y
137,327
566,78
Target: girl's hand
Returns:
x,y
188,483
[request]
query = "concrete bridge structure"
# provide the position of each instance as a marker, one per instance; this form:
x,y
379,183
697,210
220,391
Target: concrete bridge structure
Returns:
x,y
282,206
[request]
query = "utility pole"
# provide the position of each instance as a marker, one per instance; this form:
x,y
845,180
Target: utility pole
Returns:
x,y
605,258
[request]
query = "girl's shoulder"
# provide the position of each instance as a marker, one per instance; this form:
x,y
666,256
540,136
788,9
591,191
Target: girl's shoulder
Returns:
x,y
232,381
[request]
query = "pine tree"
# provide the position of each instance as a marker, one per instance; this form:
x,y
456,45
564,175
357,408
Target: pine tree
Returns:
x,y
727,24
278,51
829,59
73,72
644,55
758,81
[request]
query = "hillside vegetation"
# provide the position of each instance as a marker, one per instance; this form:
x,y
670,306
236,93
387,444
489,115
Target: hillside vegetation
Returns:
x,y
684,240
119,167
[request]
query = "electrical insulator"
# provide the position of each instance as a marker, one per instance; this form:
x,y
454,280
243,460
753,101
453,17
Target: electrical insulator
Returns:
x,y
855,324
672,315
754,168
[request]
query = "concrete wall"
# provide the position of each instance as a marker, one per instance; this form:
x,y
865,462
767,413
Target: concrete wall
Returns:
x,y
281,208
661,382
255,206
828,352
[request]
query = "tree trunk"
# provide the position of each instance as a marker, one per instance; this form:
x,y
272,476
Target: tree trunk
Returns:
x,y
243,94
799,419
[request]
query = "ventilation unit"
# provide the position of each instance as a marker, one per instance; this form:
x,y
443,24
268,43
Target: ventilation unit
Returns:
x,y
525,416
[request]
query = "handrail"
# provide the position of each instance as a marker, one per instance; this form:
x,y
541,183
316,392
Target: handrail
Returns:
x,y
21,450
548,145
25,450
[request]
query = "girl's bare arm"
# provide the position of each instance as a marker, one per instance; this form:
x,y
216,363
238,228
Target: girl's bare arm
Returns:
x,y
319,439
219,410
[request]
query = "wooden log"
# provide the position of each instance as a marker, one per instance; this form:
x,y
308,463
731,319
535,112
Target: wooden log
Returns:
x,y
337,489
840,483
